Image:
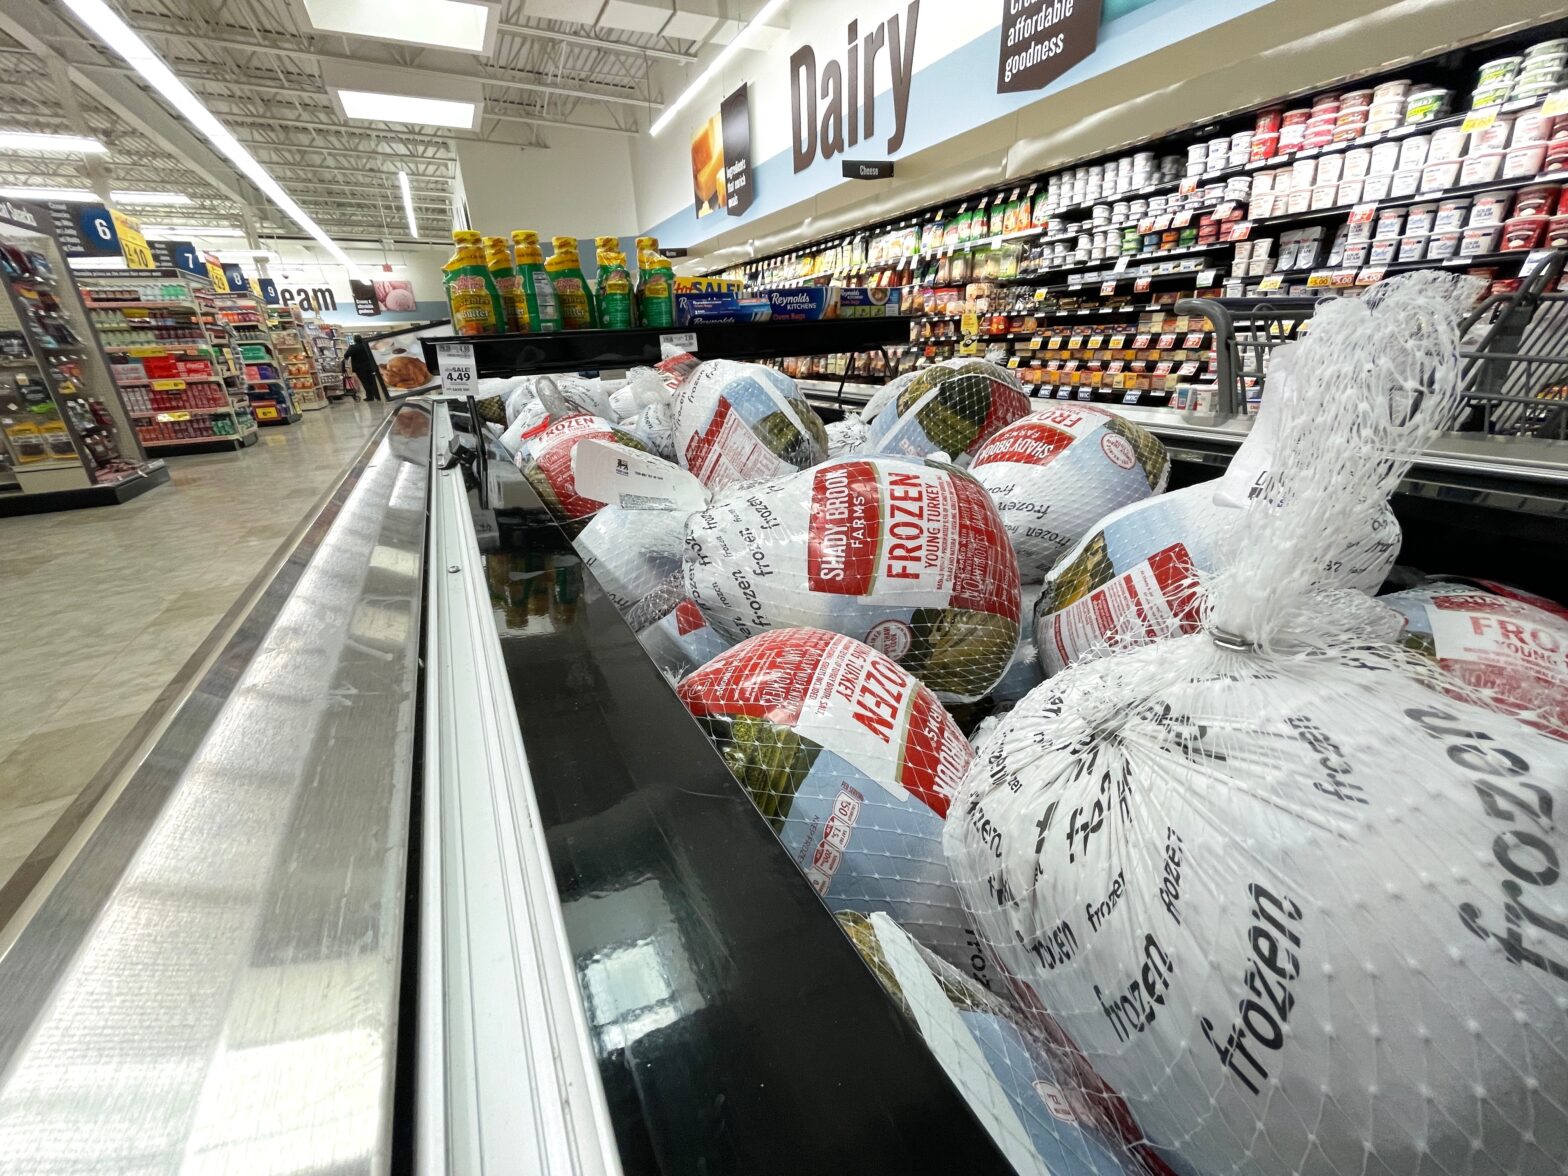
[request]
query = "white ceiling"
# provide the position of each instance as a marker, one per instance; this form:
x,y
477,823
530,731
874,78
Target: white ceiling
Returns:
x,y
258,66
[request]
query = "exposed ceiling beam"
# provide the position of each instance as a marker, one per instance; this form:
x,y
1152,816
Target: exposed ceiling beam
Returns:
x,y
518,30
488,77
490,112
321,150
285,165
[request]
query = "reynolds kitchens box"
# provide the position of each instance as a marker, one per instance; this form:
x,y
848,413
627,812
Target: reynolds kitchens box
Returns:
x,y
796,304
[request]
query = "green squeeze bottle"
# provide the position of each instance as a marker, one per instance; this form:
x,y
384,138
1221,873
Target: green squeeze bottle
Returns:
x,y
615,292
571,288
471,294
538,291
498,260
656,290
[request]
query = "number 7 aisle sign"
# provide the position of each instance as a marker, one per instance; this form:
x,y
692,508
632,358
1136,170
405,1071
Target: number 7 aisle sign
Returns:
x,y
458,374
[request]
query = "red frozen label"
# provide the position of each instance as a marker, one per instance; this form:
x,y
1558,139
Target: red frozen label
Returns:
x,y
688,618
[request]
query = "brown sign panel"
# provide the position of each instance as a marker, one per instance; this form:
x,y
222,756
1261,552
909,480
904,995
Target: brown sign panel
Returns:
x,y
1042,39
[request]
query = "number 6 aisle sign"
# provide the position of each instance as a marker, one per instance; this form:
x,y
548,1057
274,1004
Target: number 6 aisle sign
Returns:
x,y
458,374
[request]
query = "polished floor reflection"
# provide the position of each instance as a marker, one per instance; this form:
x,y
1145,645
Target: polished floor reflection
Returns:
x,y
103,608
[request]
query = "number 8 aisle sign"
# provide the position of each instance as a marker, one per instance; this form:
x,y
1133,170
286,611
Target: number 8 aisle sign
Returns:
x,y
458,374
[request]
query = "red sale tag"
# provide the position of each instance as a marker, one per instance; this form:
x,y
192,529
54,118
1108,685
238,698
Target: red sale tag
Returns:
x,y
1141,285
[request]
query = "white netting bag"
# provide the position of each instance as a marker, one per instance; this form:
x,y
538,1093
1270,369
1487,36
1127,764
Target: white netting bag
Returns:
x,y
632,552
1057,472
1508,645
735,422
952,407
1301,910
909,557
846,436
852,762
1031,1093
1023,672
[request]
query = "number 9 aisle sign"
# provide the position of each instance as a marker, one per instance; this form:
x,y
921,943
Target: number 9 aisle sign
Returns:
x,y
458,374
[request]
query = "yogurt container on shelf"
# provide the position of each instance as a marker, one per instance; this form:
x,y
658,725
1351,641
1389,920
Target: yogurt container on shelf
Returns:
x,y
1413,152
1357,160
1494,95
1382,252
1405,183
1447,143
1265,144
1353,98
1269,120
1524,161
1531,126
1482,168
1557,233
1556,155
1537,200
1386,91
1523,232
1427,105
1375,188
1439,177
1495,137
1390,224
1412,248
1383,159
1477,241
1349,192
1504,69
1442,245
1451,215
1420,218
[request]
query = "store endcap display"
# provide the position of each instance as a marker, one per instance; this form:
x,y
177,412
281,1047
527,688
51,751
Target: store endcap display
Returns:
x,y
1295,903
1057,472
1138,576
953,407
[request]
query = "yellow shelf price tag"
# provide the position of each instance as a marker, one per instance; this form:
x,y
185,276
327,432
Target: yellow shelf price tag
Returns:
x,y
1319,278
1041,293
1479,120
1272,282
1012,363
168,385
174,416
1034,344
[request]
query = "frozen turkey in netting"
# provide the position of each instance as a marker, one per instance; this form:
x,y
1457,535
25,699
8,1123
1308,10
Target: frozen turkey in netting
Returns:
x,y
1510,646
1031,1092
1303,912
1057,472
846,436
852,762
952,407
736,422
632,552
906,556
546,461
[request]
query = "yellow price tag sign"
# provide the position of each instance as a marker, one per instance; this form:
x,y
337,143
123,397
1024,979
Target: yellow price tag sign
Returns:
x,y
1272,282
133,246
1041,293
168,385
1012,363
1034,344
1320,278
1096,342
174,416
970,323
1479,120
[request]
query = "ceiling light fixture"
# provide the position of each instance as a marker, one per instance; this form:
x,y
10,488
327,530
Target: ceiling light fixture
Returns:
x,y
120,37
408,203
768,11
150,197
407,108
444,24
31,141
181,232
247,254
67,195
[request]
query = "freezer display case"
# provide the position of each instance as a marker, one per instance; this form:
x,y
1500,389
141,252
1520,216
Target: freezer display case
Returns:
x,y
431,870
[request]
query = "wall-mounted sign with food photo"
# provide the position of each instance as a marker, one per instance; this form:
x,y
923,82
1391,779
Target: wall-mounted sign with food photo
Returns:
x,y
396,294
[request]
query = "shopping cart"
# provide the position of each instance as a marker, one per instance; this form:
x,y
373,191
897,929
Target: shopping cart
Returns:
x,y
1515,374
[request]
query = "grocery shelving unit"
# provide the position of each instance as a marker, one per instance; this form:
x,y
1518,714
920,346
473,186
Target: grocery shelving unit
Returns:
x,y
287,324
172,359
66,438
1188,217
328,354
261,368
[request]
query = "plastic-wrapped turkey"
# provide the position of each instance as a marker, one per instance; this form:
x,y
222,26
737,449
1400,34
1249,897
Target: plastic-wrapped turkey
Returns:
x,y
737,422
953,407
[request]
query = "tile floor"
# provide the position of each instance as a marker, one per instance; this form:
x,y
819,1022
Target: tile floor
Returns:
x,y
106,605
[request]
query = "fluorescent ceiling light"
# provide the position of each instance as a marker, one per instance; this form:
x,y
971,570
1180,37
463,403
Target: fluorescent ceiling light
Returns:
x,y
149,197
247,254
181,232
768,11
408,203
406,108
120,37
445,24
29,141
69,195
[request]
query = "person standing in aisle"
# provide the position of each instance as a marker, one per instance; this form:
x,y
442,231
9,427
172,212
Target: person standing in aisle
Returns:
x,y
366,370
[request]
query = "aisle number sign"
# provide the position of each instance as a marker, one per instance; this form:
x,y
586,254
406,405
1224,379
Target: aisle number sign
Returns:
x,y
459,373
133,246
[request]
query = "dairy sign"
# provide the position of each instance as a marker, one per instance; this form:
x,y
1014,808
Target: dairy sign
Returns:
x,y
833,102
1042,39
